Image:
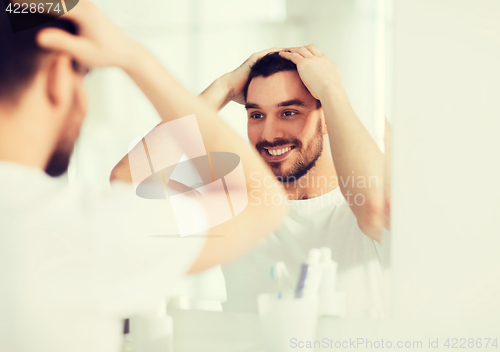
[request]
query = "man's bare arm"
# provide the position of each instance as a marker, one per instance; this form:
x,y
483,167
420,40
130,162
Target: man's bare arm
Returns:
x,y
387,173
355,153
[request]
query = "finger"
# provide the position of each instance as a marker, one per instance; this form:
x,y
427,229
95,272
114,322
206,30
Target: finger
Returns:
x,y
302,51
293,57
314,50
258,55
59,40
268,51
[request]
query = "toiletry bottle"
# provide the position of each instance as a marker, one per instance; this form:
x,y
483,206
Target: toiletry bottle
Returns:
x,y
331,303
127,345
313,277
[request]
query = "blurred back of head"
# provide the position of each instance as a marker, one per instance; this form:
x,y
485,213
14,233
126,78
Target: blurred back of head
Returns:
x,y
20,56
21,59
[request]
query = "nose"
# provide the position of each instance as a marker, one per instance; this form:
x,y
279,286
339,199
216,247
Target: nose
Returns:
x,y
272,129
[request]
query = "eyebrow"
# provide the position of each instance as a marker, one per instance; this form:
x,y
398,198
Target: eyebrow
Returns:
x,y
252,106
290,102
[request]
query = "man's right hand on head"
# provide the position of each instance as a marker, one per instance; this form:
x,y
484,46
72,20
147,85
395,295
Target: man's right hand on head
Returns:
x,y
237,79
99,43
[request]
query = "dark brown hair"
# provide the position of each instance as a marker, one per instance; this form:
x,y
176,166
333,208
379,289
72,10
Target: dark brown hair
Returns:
x,y
20,55
268,65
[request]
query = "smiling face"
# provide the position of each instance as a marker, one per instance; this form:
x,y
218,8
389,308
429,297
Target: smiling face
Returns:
x,y
285,124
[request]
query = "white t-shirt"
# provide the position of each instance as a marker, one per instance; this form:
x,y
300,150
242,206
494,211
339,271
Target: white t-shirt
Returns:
x,y
73,263
327,221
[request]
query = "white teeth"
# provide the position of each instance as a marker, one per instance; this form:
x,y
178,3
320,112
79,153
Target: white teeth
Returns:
x,y
278,151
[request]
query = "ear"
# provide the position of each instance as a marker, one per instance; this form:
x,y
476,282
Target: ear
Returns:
x,y
60,83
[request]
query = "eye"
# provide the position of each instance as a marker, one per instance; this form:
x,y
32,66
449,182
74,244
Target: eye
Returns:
x,y
289,113
256,116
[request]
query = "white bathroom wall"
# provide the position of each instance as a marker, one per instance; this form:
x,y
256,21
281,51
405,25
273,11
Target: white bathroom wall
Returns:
x,y
446,194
